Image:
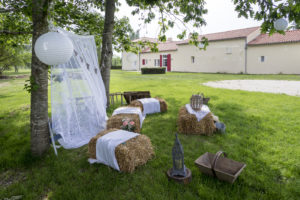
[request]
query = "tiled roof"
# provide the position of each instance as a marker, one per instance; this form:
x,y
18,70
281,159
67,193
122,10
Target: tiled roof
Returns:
x,y
233,34
290,36
164,46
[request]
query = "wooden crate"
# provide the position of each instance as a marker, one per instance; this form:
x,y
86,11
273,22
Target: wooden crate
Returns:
x,y
133,95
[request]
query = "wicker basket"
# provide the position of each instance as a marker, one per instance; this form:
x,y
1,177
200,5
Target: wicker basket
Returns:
x,y
223,168
196,101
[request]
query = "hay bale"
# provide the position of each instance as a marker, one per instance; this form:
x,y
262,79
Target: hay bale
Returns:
x,y
188,123
116,121
135,152
163,104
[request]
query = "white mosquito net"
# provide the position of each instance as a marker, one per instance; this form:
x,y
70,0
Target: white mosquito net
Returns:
x,y
78,99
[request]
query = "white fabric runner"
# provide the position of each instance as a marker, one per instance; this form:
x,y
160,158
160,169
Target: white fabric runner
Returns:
x,y
150,105
199,114
106,145
130,110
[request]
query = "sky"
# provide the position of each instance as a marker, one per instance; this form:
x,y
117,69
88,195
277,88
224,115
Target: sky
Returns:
x,y
221,16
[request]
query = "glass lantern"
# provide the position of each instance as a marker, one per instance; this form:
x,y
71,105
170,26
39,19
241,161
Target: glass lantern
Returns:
x,y
179,168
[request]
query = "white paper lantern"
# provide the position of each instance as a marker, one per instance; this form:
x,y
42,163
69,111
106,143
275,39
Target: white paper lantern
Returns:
x,y
53,48
131,57
280,24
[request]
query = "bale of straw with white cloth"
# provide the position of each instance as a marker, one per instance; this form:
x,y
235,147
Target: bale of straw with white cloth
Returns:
x,y
150,105
132,113
195,122
121,150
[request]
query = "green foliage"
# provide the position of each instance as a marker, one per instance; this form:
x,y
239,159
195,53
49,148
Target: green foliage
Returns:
x,y
258,133
116,61
30,85
10,56
268,11
154,70
79,16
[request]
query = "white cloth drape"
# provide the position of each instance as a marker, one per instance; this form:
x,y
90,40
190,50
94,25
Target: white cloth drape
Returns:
x,y
78,99
106,145
150,105
130,110
199,114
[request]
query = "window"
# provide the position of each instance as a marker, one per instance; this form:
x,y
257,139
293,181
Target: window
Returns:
x,y
156,62
262,59
193,59
228,50
165,61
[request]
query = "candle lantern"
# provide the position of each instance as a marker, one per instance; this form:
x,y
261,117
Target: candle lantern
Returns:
x,y
179,172
178,159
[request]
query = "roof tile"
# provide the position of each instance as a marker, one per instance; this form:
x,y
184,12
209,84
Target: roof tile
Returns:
x,y
290,36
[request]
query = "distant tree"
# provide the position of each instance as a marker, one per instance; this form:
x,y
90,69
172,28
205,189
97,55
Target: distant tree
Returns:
x,y
13,57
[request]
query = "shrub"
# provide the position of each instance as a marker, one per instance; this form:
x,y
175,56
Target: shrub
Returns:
x,y
116,67
156,70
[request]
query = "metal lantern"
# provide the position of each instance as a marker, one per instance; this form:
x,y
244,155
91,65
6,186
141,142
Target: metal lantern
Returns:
x,y
280,24
53,48
196,101
179,168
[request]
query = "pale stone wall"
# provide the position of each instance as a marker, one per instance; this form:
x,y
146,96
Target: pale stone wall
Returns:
x,y
128,63
278,58
227,56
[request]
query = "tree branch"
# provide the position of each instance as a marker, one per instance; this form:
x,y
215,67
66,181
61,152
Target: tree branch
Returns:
x,y
5,32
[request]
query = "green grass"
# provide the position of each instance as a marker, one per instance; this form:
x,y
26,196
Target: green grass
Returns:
x,y
263,131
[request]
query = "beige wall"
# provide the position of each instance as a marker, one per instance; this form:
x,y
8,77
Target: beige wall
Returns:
x,y
156,55
128,63
279,58
220,56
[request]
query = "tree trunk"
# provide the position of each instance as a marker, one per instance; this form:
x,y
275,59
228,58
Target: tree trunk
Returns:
x,y
39,75
106,53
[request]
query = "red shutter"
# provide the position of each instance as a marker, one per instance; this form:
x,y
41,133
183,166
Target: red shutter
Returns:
x,y
169,62
143,61
160,60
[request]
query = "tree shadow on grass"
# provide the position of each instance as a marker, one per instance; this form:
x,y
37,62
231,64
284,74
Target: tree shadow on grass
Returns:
x,y
244,141
5,96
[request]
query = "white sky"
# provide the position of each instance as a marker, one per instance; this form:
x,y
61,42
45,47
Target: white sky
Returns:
x,y
221,17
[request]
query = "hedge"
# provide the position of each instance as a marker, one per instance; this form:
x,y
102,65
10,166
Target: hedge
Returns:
x,y
157,70
116,67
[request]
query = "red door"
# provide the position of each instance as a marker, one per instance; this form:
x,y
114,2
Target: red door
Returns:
x,y
169,62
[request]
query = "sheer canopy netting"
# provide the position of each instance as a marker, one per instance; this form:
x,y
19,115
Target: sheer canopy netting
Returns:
x,y
78,99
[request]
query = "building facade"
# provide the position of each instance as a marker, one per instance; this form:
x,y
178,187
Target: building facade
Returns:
x,y
236,51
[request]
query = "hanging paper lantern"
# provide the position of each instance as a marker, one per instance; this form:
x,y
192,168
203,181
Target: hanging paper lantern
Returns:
x,y
280,24
53,48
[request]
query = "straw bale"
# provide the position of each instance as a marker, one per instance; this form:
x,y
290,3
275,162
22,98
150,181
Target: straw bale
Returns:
x,y
162,102
116,121
188,123
135,152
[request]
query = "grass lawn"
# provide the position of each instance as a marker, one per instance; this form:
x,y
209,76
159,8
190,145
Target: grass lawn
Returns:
x,y
263,131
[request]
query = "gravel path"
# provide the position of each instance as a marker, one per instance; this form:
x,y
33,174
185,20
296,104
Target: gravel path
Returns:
x,y
270,86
